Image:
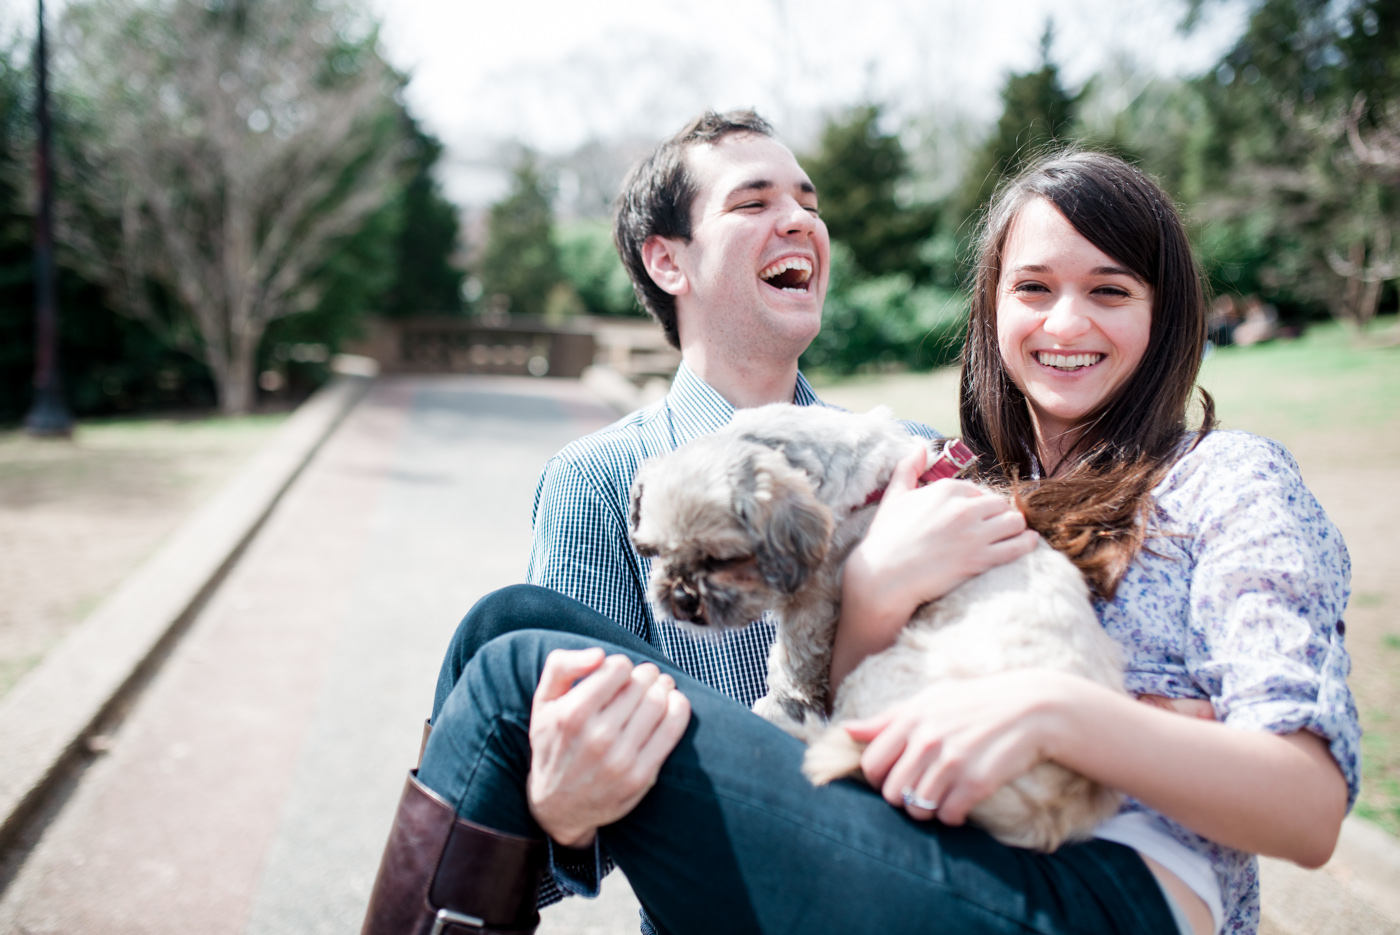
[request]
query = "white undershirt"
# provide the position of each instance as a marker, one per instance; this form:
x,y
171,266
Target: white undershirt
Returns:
x,y
1141,832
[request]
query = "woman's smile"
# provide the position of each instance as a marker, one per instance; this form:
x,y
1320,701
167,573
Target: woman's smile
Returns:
x,y
1069,363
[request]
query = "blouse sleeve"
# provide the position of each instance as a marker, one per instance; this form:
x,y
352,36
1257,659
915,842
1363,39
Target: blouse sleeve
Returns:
x,y
1269,586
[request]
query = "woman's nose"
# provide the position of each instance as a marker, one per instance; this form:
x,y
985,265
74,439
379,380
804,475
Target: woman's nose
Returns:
x,y
1067,319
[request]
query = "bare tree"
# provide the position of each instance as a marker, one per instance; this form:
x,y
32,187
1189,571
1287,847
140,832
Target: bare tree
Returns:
x,y
1374,154
234,143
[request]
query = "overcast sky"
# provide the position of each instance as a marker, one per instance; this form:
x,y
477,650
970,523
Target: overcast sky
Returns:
x,y
554,74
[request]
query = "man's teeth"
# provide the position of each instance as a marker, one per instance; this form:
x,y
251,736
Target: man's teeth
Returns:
x,y
790,274
1068,361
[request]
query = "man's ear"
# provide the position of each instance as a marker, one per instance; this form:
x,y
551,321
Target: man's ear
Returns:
x,y
659,256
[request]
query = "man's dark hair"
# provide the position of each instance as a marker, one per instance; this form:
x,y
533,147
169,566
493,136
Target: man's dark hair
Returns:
x,y
656,200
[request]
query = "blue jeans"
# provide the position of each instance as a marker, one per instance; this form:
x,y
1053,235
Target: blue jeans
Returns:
x,y
733,838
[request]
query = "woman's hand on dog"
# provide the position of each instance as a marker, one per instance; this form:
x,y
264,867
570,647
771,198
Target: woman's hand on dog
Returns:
x,y
600,728
957,742
923,542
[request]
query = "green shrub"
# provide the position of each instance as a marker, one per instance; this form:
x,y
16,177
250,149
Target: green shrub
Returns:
x,y
590,263
885,322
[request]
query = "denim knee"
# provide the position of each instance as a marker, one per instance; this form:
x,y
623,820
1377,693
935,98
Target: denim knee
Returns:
x,y
498,613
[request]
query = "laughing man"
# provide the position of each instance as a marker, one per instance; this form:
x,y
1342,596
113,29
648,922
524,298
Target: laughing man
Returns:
x,y
720,232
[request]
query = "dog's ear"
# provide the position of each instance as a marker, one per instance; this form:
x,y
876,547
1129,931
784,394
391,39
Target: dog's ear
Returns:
x,y
789,527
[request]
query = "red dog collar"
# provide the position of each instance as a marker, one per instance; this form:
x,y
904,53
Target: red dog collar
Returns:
x,y
954,457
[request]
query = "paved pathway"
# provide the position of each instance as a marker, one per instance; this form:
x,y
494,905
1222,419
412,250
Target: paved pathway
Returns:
x,y
249,791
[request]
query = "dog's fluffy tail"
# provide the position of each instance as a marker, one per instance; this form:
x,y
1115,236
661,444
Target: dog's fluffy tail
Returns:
x,y
833,755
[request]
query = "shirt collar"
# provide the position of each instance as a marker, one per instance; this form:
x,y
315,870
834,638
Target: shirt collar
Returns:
x,y
697,408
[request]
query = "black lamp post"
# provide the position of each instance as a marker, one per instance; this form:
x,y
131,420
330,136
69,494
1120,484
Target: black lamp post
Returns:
x,y
49,414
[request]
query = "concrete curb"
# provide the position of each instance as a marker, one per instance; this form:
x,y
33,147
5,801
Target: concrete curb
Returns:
x,y
46,718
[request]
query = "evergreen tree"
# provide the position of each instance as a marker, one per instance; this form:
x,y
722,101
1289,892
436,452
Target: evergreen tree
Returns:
x,y
109,363
858,171
521,260
1037,112
16,251
424,279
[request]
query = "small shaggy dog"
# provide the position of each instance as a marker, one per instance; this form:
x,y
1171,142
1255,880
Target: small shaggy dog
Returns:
x,y
761,516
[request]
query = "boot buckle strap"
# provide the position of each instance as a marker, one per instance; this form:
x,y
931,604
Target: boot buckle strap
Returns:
x,y
446,917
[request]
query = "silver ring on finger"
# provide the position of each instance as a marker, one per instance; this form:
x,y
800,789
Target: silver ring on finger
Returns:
x,y
913,798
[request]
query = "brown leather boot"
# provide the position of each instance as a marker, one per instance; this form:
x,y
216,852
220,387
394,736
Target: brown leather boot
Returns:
x,y
444,875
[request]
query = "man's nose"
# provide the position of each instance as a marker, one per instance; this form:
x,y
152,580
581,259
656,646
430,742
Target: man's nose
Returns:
x,y
1068,318
797,219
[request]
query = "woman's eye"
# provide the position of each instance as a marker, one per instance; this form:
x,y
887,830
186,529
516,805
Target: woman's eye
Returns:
x,y
1029,288
1116,292
749,205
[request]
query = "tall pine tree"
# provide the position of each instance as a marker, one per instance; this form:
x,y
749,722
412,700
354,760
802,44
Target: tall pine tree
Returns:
x,y
521,260
424,280
858,170
1037,112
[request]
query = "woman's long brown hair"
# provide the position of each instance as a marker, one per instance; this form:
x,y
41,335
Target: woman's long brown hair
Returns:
x,y
1094,505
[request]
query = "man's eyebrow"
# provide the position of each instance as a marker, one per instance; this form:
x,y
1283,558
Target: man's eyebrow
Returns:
x,y
752,185
755,185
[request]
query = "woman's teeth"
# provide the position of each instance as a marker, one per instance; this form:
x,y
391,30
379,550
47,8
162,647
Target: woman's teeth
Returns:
x,y
789,274
1068,361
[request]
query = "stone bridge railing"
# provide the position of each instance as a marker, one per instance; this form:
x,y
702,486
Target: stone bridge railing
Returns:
x,y
633,348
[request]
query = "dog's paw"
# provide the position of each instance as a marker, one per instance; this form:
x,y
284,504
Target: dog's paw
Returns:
x,y
832,755
791,716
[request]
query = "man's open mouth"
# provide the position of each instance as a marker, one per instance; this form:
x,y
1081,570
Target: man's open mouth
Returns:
x,y
790,274
1068,362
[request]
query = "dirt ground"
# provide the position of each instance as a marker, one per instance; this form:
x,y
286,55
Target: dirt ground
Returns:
x,y
77,516
1358,483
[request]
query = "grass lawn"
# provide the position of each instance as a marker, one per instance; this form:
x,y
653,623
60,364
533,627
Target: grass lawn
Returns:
x,y
77,516
1336,404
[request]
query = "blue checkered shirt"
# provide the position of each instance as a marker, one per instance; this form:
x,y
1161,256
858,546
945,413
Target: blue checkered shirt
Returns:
x,y
581,547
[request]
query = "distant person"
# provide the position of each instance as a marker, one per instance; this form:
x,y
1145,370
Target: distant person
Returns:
x,y
1215,569
1260,323
1223,318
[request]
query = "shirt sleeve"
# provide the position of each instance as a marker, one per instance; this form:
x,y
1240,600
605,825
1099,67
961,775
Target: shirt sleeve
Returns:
x,y
578,872
919,429
1269,586
580,547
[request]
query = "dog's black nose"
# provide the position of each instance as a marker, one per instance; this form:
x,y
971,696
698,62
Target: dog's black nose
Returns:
x,y
685,603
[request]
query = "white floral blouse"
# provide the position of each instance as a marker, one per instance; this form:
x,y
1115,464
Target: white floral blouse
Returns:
x,y
1239,598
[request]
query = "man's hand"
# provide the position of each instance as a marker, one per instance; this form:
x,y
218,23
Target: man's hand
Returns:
x,y
597,746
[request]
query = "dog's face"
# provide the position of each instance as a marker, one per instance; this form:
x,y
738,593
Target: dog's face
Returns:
x,y
730,527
